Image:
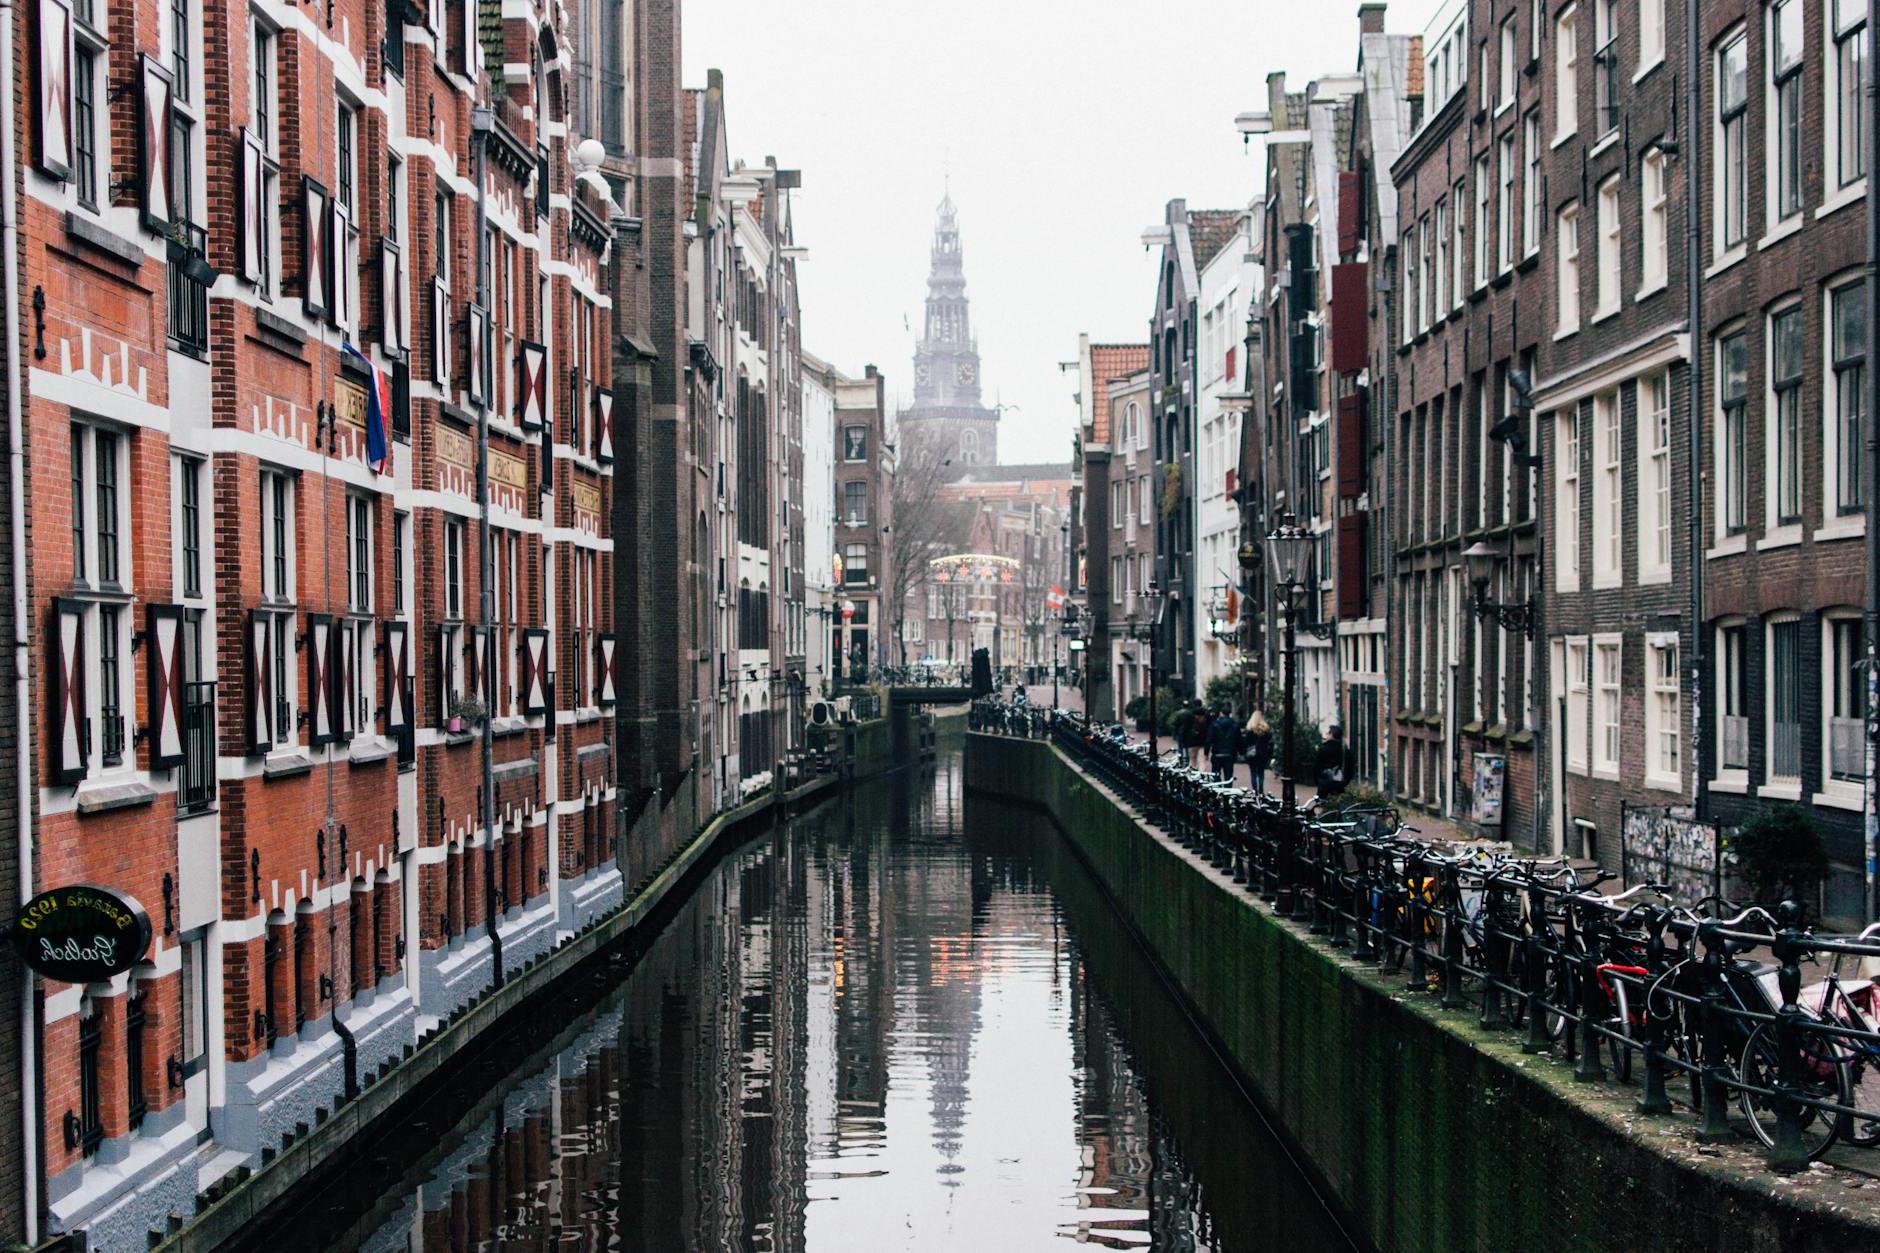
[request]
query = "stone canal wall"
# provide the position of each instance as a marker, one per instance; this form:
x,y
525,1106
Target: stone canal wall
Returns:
x,y
1423,1131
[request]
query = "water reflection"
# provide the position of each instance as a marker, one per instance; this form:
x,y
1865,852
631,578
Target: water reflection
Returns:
x,y
883,1028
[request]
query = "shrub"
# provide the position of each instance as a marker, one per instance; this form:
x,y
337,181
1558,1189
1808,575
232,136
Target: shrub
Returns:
x,y
1223,693
1357,795
1781,856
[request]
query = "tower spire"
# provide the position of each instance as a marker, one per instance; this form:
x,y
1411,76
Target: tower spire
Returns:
x,y
946,356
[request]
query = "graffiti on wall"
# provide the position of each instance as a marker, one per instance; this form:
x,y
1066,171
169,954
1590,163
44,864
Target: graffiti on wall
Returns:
x,y
1665,845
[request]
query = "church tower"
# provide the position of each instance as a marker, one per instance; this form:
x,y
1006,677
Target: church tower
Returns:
x,y
947,415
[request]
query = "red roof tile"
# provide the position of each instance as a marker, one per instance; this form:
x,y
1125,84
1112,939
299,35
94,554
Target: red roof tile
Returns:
x,y
1111,361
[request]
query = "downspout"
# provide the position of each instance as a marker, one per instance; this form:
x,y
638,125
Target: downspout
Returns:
x,y
482,123
1872,471
25,780
1689,151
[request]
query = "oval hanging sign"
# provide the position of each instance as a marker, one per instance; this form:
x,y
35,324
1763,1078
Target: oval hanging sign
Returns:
x,y
81,933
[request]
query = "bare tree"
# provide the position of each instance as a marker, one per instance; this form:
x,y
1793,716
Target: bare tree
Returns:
x,y
926,525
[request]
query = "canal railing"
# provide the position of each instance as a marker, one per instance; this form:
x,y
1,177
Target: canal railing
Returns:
x,y
1618,984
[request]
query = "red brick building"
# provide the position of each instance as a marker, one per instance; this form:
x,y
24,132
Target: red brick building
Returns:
x,y
268,656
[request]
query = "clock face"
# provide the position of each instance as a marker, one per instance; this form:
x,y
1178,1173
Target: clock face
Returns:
x,y
966,372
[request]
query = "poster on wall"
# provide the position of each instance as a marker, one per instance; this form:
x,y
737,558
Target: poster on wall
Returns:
x,y
1485,803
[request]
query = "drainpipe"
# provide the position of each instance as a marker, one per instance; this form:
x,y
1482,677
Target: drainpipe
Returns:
x,y
1871,810
1690,144
25,780
482,123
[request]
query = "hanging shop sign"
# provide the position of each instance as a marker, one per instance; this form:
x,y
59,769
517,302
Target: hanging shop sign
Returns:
x,y
81,933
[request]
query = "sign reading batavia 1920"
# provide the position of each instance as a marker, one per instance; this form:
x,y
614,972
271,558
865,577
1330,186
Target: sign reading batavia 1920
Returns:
x,y
81,933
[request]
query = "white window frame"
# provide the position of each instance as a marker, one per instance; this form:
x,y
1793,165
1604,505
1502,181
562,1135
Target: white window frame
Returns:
x,y
1662,726
453,559
1843,28
1566,76
361,510
1651,37
1567,499
1730,458
1610,249
280,489
1567,270
1605,63
1784,148
1439,217
1779,786
91,58
109,604
1842,792
1484,190
1608,721
1504,203
1729,185
1507,66
1841,516
1578,658
1531,209
264,42
1653,442
1654,223
1729,679
1608,491
1778,453
1459,284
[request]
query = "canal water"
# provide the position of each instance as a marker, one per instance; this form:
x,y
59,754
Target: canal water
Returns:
x,y
907,1020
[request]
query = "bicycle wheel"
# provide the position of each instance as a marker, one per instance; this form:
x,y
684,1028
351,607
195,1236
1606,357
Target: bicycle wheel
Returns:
x,y
1760,1068
1561,991
1863,1081
1620,1044
1513,1003
1683,1043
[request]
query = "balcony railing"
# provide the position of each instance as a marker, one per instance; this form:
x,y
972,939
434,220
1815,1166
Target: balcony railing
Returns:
x,y
198,782
1735,745
189,294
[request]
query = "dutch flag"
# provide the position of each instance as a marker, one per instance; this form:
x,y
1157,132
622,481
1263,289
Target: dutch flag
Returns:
x,y
378,413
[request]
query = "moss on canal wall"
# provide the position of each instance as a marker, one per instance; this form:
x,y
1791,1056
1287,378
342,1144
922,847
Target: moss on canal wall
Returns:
x,y
1425,1131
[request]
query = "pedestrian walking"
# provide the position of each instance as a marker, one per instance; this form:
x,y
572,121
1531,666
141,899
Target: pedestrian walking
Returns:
x,y
1223,744
1195,724
1332,766
1257,746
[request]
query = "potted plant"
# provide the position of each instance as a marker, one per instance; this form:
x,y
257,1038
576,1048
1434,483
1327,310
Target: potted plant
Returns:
x,y
464,711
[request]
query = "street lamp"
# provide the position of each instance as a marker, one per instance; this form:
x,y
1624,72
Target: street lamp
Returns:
x,y
1484,562
1289,543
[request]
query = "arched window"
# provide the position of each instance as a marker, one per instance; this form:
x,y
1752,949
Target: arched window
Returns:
x,y
969,447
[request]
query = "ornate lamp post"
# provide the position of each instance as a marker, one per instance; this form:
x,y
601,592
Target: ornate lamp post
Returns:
x,y
1290,543
1484,564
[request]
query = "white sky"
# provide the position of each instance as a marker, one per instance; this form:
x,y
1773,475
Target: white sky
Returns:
x,y
1062,137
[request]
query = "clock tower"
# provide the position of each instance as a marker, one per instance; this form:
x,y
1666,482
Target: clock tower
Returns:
x,y
947,416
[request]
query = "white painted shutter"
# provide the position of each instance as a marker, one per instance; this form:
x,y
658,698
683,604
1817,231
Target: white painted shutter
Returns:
x,y
320,679
52,88
163,657
260,683
392,295
68,737
440,332
604,671
534,671
254,245
532,372
154,144
315,222
603,426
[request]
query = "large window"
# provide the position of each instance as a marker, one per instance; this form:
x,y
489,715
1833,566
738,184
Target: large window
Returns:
x,y
1566,75
89,57
1531,189
453,569
359,553
1654,225
1732,699
1567,500
1579,663
1654,478
1843,652
1504,204
1440,229
1482,192
263,94
1846,427
1608,493
1785,419
1507,65
1608,666
1733,438
1459,286
1663,723
1847,71
855,563
1732,163
277,597
1651,33
1567,271
1605,66
1784,700
855,504
1610,249
1785,111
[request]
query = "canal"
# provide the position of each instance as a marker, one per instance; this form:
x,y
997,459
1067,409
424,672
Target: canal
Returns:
x,y
907,1020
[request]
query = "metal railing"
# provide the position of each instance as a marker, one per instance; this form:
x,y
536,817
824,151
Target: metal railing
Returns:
x,y
197,786
1634,987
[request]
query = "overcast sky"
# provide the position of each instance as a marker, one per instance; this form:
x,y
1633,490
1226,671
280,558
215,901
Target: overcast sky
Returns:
x,y
1065,126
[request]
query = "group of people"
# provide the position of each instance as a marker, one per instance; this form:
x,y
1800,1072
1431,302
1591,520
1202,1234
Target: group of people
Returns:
x,y
1227,741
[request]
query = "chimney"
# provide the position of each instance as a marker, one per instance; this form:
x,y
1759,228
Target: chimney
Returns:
x,y
1370,19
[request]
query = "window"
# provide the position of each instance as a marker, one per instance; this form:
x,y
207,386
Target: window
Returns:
x,y
1663,721
1651,33
1440,229
1785,700
182,137
1567,274
1605,66
264,43
88,59
346,146
1116,580
1567,501
855,563
1409,265
453,569
1785,113
189,526
1536,18
1654,250
400,523
1459,287
1610,250
1507,66
1608,662
277,598
1732,440
1785,435
1847,71
1566,76
1843,653
1654,478
1118,497
1423,274
1504,204
1482,192
855,443
855,504
359,553
1847,419
1608,493
1733,698
1732,124
1531,189
1579,680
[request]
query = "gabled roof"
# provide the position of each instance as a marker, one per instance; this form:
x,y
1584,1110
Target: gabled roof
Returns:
x,y
1107,362
1209,230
